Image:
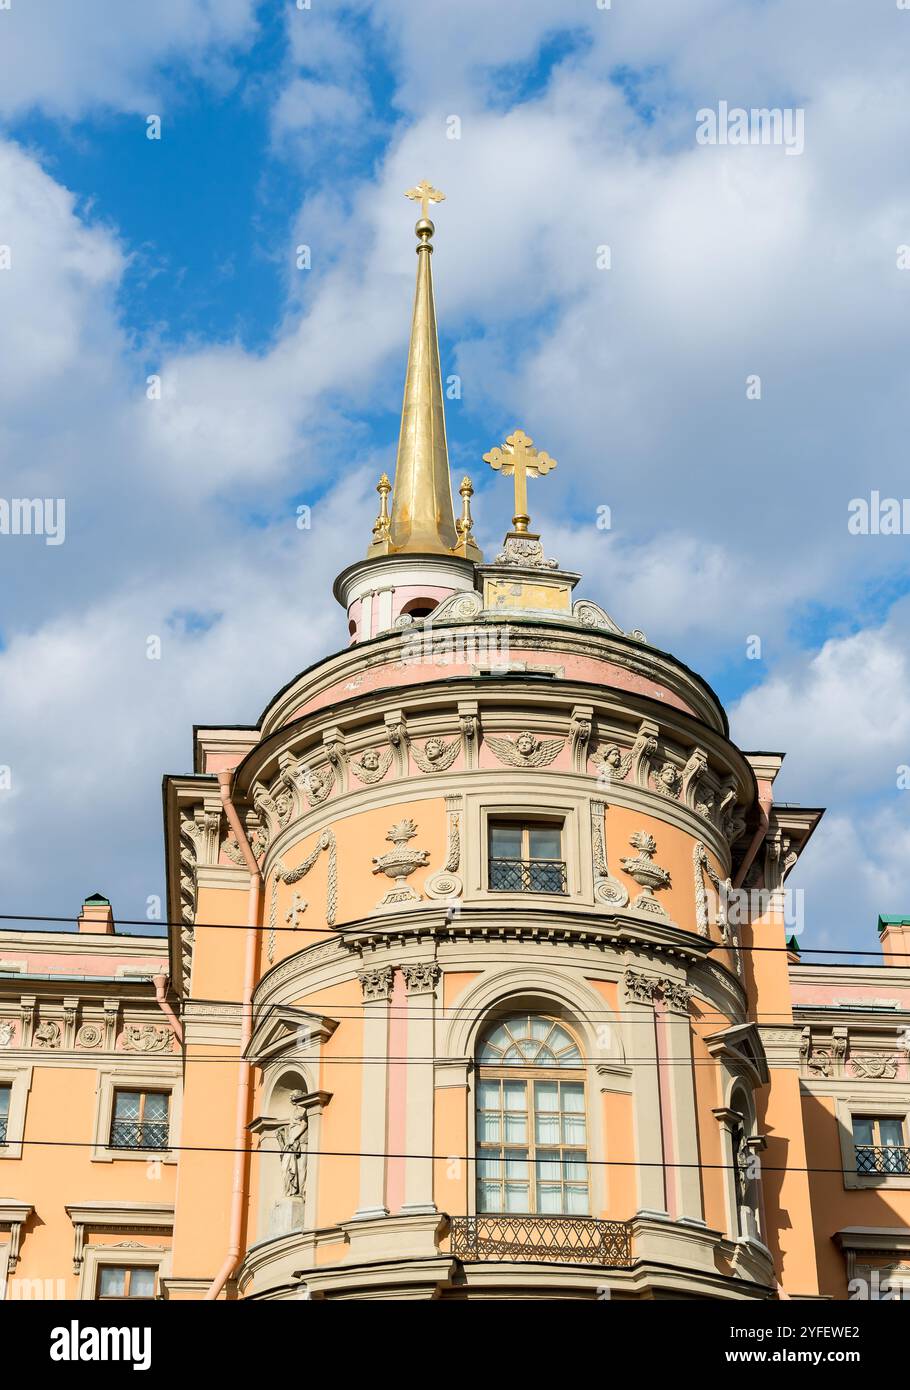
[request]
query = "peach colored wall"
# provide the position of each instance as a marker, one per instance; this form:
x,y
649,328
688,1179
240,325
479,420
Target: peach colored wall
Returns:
x,y
452,1181
620,1188
706,1021
339,1177
61,1106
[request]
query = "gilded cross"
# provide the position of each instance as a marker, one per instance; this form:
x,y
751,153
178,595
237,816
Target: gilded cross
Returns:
x,y
518,457
427,194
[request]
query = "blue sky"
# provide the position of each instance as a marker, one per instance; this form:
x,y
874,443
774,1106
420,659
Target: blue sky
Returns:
x,y
283,126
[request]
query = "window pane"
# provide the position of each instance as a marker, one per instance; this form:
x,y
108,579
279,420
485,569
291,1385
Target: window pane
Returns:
x,y
142,1283
127,1105
546,1129
4,1100
549,1169
862,1131
488,1095
112,1282
549,1199
577,1201
517,1164
573,1097
573,1129
546,1095
516,1129
499,1038
489,1167
156,1106
515,1095
516,1196
489,1127
892,1132
505,841
545,842
488,1196
575,1169
541,1028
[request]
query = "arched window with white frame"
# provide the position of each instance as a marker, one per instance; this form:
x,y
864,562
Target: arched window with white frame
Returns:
x,y
531,1130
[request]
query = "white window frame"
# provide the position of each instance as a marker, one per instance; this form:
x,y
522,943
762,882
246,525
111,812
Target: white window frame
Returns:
x,y
149,1078
18,1076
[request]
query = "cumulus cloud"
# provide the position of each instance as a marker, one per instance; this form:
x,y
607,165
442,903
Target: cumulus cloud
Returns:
x,y
66,59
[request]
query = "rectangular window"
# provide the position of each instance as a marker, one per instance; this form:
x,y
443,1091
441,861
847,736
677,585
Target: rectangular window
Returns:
x,y
531,1162
880,1145
124,1281
526,857
140,1120
5,1093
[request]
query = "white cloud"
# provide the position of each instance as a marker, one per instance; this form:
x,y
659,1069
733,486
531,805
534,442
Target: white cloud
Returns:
x,y
65,59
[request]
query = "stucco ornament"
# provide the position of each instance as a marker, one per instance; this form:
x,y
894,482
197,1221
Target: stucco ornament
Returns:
x,y
145,1037
47,1035
89,1035
607,889
649,876
436,755
611,763
317,783
399,863
876,1066
326,842
525,750
292,1144
372,766
6,1033
446,882
667,781
526,552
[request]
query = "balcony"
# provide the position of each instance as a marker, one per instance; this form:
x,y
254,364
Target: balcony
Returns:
x,y
527,876
574,1240
884,1159
135,1134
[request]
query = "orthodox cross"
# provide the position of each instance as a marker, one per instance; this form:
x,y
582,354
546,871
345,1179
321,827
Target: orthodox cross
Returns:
x,y
426,194
519,458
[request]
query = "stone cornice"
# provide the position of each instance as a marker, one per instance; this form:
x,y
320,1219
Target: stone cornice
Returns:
x,y
555,634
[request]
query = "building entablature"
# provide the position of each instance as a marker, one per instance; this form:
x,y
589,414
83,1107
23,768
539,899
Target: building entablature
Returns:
x,y
444,647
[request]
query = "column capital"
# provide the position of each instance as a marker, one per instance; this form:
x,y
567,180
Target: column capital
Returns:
x,y
421,977
376,982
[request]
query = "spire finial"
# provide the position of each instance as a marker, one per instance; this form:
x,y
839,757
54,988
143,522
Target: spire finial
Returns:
x,y
427,194
519,458
422,519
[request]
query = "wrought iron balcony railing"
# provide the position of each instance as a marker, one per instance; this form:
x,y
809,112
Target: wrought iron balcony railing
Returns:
x,y
2,1129
875,1158
134,1134
527,876
574,1240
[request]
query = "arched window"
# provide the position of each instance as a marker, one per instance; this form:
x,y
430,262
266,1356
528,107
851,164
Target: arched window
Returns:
x,y
531,1131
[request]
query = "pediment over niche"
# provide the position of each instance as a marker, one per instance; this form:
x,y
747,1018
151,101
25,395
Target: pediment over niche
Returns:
x,y
284,1028
742,1044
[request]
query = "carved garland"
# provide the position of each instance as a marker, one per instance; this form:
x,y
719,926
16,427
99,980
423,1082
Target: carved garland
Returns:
x,y
326,841
728,935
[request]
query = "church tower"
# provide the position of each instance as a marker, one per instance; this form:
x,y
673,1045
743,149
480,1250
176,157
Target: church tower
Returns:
x,y
456,903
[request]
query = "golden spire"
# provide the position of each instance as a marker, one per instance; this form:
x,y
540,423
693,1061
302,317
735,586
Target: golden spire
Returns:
x,y
422,518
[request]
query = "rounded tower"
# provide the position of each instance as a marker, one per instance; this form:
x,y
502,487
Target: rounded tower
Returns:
x,y
490,1000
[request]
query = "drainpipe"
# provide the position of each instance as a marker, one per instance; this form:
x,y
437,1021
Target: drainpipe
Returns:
x,y
161,982
765,802
244,1070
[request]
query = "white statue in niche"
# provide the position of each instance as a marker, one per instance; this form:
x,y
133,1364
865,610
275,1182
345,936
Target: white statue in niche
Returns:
x,y
292,1144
